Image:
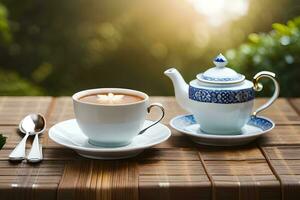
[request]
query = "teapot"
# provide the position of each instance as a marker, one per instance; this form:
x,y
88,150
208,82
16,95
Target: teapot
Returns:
x,y
221,99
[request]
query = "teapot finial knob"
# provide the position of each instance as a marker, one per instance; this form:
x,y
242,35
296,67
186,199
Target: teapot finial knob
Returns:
x,y
220,61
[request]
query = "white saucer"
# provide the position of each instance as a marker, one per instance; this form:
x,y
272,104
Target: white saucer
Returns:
x,y
68,134
256,127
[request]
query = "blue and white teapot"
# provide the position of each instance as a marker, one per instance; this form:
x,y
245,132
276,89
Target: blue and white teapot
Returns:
x,y
220,99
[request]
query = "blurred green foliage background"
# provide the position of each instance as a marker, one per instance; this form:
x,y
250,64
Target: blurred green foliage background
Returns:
x,y
60,47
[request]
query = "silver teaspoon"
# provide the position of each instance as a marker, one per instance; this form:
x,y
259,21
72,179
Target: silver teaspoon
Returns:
x,y
36,154
32,124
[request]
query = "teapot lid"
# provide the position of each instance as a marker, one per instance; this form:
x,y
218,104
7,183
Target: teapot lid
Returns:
x,y
220,74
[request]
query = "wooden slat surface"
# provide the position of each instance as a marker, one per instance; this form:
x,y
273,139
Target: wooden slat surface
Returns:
x,y
295,103
25,181
176,169
88,179
281,112
172,174
240,173
13,109
62,109
282,135
285,161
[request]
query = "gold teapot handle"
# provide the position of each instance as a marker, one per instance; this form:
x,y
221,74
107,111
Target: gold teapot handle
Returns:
x,y
258,87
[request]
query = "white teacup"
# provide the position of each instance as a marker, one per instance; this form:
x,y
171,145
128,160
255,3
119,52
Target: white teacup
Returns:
x,y
112,125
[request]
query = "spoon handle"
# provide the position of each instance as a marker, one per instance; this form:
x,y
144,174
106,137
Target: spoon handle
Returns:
x,y
35,154
19,152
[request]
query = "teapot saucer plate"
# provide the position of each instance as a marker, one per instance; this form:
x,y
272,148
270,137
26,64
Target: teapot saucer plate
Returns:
x,y
254,128
67,133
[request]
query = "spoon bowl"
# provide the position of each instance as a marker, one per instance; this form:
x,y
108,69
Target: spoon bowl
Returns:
x,y
33,124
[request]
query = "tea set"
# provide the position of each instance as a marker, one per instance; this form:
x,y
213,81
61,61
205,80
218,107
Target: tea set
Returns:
x,y
220,102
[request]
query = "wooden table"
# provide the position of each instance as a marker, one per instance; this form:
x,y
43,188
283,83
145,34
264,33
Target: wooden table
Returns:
x,y
176,169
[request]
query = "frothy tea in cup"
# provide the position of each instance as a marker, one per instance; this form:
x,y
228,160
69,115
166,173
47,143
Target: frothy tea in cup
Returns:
x,y
110,98
112,117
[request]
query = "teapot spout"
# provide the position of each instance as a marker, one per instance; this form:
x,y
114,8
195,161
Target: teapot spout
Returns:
x,y
180,87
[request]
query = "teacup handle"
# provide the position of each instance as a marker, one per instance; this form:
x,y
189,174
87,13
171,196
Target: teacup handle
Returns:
x,y
258,87
148,110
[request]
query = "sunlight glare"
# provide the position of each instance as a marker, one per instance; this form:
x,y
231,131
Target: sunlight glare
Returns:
x,y
219,11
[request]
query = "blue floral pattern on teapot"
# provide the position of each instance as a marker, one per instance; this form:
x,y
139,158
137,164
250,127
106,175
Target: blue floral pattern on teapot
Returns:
x,y
221,96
